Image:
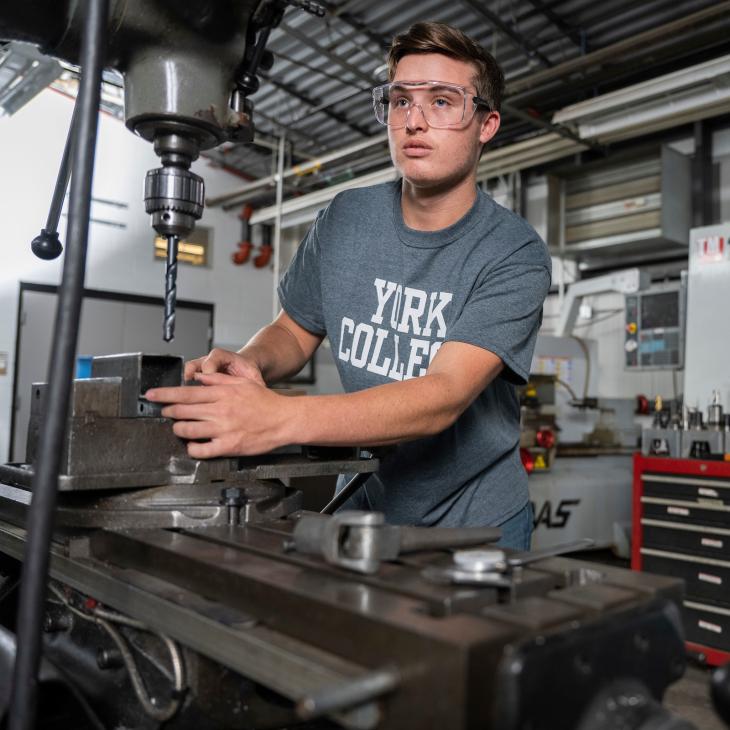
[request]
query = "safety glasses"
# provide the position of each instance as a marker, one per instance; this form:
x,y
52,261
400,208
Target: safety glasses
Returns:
x,y
442,105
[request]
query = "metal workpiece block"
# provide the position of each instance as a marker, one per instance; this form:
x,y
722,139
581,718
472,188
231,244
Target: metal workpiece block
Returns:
x,y
139,373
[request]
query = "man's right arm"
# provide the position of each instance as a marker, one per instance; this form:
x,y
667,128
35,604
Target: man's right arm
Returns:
x,y
279,350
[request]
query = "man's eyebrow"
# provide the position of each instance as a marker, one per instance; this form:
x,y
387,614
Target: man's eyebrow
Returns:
x,y
445,87
432,87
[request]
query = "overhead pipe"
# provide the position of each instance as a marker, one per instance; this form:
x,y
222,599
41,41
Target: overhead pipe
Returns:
x,y
263,257
243,252
228,200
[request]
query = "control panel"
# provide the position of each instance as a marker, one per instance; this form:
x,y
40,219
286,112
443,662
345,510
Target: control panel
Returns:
x,y
655,327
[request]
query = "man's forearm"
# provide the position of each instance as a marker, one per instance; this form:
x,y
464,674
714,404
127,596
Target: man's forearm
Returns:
x,y
276,351
377,416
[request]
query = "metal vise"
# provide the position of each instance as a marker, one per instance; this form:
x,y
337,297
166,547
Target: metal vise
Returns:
x,y
116,438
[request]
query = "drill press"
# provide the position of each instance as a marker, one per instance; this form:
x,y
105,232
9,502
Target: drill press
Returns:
x,y
189,70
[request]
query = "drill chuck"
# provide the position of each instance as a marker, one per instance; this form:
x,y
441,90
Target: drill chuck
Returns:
x,y
174,197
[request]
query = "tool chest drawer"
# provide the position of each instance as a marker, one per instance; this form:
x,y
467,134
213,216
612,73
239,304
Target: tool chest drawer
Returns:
x,y
685,511
706,625
706,579
712,542
687,488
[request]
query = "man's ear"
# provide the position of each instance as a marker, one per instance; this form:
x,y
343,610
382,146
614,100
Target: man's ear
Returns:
x,y
489,126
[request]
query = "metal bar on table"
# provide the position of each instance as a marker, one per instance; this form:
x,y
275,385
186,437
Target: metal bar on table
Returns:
x,y
345,493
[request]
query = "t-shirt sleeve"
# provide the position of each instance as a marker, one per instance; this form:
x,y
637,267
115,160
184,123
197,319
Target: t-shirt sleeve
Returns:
x,y
503,315
300,290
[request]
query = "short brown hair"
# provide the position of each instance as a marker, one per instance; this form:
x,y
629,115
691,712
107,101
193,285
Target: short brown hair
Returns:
x,y
432,37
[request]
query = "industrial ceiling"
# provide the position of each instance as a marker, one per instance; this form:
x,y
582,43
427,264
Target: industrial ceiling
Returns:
x,y
318,89
555,53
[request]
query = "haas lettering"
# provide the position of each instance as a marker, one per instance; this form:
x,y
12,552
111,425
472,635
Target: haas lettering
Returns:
x,y
554,519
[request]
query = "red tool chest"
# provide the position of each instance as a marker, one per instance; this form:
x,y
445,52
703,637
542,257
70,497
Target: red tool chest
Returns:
x,y
681,527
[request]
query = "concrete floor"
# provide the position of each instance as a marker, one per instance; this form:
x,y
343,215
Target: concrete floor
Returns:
x,y
690,699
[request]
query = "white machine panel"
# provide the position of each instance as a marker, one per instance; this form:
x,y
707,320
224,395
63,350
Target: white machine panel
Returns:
x,y
707,355
583,497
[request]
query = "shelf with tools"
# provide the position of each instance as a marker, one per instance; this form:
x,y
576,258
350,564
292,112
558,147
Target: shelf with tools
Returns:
x,y
681,527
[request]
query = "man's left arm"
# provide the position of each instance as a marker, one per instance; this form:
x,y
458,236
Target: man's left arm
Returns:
x,y
242,418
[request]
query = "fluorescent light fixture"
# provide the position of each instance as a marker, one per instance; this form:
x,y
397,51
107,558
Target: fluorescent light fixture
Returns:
x,y
677,98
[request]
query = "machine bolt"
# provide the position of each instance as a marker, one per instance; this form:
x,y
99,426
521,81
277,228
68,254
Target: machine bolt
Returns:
x,y
57,623
234,498
109,659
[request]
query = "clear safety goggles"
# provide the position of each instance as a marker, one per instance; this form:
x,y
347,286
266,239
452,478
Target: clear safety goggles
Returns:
x,y
443,105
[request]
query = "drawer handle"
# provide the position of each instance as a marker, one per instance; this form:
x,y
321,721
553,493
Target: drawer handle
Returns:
x,y
705,492
709,542
708,578
709,627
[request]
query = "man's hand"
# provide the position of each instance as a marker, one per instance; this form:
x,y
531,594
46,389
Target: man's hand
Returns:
x,y
224,361
236,415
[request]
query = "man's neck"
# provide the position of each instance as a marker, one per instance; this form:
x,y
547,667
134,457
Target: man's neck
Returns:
x,y
431,209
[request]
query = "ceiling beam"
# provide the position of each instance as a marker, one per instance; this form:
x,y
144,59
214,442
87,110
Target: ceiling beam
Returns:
x,y
380,40
517,39
307,41
317,103
573,34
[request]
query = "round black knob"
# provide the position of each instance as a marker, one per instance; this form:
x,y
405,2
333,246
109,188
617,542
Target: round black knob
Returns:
x,y
248,83
46,245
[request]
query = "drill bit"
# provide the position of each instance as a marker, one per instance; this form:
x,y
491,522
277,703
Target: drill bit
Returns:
x,y
170,287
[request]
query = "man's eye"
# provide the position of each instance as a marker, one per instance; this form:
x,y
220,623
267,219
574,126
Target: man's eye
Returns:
x,y
399,101
441,102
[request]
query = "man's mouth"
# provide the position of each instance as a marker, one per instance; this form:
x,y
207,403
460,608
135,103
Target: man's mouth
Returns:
x,y
416,149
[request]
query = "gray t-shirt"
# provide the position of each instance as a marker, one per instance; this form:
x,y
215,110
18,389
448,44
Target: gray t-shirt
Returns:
x,y
388,297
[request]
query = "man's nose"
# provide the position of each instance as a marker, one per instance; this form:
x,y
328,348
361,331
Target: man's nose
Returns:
x,y
416,120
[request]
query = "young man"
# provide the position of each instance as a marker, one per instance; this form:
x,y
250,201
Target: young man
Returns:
x,y
431,296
